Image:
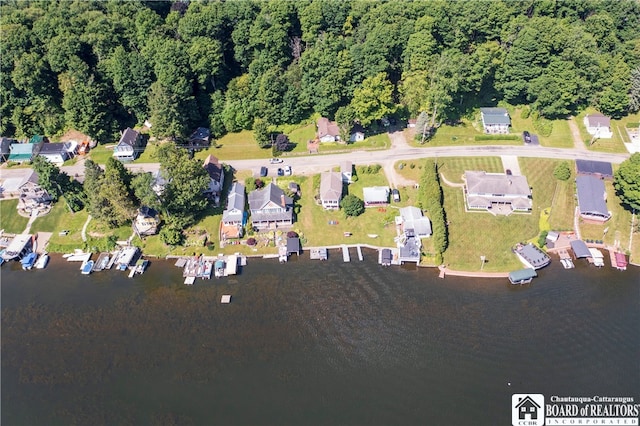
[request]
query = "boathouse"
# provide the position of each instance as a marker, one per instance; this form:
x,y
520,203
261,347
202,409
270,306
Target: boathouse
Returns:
x,y
522,276
580,249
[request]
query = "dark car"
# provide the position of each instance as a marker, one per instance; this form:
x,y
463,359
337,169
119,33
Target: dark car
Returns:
x,y
509,172
396,195
280,171
526,136
263,171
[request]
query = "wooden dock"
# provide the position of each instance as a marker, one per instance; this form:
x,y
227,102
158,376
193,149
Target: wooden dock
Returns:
x,y
345,254
360,253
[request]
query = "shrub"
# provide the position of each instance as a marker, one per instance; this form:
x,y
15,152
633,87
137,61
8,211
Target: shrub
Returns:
x,y
526,111
252,242
171,236
497,137
542,238
352,205
292,234
562,171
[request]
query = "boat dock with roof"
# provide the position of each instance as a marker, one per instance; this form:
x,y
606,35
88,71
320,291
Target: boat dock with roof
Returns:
x,y
522,276
18,247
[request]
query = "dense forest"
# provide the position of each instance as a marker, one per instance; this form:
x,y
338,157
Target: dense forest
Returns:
x,y
98,66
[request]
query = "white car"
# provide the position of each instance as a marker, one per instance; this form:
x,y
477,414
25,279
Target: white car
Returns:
x,y
287,170
275,160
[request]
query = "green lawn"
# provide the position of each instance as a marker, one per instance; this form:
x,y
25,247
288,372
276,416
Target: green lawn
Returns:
x,y
10,220
61,219
236,146
101,153
453,168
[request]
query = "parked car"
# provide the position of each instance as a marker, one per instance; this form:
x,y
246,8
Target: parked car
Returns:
x,y
275,160
280,171
263,171
287,170
396,195
508,171
526,136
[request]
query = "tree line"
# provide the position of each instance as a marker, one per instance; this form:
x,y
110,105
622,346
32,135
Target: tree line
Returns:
x,y
99,66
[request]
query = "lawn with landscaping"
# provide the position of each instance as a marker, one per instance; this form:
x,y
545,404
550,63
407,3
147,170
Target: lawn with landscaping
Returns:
x,y
12,222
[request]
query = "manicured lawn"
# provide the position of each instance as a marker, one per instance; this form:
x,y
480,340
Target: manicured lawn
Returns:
x,y
52,221
563,206
11,221
615,144
101,153
60,220
453,168
618,227
236,146
301,135
314,220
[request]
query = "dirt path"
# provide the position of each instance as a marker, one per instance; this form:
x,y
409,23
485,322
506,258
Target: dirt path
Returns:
x,y
575,133
84,228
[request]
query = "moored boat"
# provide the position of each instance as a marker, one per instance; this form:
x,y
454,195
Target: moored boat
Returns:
x,y
28,261
42,261
87,267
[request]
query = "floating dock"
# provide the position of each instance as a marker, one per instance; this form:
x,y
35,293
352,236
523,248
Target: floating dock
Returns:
x,y
319,253
360,253
345,254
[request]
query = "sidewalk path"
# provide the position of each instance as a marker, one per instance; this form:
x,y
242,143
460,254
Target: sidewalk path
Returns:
x,y
84,228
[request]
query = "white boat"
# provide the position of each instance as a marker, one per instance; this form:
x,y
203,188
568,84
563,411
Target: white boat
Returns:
x,y
79,257
87,267
41,263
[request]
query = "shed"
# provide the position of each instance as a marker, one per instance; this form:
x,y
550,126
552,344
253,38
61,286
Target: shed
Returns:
x,y
580,249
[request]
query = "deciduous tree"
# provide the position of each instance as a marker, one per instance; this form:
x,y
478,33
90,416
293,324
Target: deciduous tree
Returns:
x,y
627,181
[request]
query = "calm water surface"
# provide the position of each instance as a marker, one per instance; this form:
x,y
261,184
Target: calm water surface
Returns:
x,y
309,343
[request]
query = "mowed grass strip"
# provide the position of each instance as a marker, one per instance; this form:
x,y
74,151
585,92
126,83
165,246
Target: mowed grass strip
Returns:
x,y
453,168
10,220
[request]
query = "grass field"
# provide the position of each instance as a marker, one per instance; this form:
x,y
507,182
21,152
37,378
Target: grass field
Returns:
x,y
10,220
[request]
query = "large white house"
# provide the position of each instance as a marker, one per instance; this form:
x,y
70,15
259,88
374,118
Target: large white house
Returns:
x,y
330,190
495,120
497,192
598,125
129,146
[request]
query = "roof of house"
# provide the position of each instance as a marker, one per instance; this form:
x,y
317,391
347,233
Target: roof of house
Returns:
x,y
200,134
580,249
326,127
527,400
293,186
357,128
293,245
598,120
5,145
36,139
495,116
129,137
591,195
147,212
235,203
330,186
53,148
480,182
594,167
12,180
21,151
410,249
414,219
346,167
213,168
376,194
271,193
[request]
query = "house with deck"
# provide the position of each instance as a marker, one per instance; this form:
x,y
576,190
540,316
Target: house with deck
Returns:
x,y
129,146
495,120
270,208
330,190
598,126
498,193
376,196
216,178
592,198
413,221
146,222
234,217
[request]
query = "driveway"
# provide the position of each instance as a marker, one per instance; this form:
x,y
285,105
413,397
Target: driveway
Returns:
x,y
510,162
575,134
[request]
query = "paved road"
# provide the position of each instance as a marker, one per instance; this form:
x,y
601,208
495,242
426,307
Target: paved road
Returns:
x,y
316,163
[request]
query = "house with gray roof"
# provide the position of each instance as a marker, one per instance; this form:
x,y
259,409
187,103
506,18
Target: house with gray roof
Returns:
x,y
234,217
58,152
216,178
346,168
270,208
330,190
497,192
375,196
409,249
200,137
599,169
146,222
129,146
592,197
5,148
598,125
412,219
495,120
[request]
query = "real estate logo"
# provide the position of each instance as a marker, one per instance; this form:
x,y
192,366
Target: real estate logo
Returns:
x,y
527,409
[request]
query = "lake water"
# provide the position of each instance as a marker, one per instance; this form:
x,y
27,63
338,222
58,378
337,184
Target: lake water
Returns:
x,y
309,343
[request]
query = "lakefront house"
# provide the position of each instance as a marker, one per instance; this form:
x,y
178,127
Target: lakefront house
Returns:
x,y
270,208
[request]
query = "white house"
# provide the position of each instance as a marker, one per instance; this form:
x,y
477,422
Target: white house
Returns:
x,y
328,131
216,178
129,146
357,133
59,152
270,208
233,217
376,196
413,222
495,191
598,125
495,120
330,190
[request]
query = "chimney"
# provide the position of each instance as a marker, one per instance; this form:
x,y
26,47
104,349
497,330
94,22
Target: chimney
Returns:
x,y
282,201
